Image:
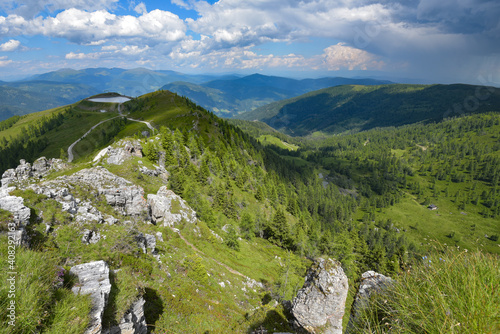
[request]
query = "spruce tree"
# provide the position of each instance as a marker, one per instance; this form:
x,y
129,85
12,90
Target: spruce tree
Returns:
x,y
176,181
280,230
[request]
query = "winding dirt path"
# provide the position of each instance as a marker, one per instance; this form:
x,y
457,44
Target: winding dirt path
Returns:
x,y
70,148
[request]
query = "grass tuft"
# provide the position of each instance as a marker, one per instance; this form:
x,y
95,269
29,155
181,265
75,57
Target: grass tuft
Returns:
x,y
453,291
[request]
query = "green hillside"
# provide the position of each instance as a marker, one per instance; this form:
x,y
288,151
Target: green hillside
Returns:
x,y
357,108
276,201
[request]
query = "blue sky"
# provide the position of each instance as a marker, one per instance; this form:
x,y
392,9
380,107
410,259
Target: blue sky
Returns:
x,y
441,41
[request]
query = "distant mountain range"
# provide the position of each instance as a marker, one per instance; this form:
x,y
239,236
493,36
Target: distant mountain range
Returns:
x,y
66,86
226,95
229,97
133,82
357,108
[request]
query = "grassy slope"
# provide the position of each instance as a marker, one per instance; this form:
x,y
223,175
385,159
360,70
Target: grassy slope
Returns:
x,y
184,294
347,108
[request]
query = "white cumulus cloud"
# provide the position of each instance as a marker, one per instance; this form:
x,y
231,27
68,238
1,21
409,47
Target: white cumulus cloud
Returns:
x,y
31,8
84,27
11,45
340,56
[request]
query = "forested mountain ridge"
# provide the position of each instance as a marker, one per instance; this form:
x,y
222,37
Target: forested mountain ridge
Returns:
x,y
229,97
357,108
20,98
360,198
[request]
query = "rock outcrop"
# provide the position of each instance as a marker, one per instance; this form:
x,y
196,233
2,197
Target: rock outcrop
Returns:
x,y
93,280
319,305
20,216
125,197
371,282
125,150
133,322
25,170
169,209
16,206
146,242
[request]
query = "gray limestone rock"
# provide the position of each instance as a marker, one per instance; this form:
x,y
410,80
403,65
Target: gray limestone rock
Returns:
x,y
93,280
23,171
159,236
371,283
149,172
133,322
16,206
125,150
41,166
150,243
125,197
8,177
170,209
146,242
320,303
90,237
87,213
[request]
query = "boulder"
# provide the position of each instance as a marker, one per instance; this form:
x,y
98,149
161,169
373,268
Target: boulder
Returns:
x,y
125,150
23,171
87,213
149,172
90,237
133,322
371,283
16,206
93,280
128,200
169,209
146,242
8,177
41,166
319,305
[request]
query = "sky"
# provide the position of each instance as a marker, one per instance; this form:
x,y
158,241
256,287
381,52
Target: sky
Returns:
x,y
431,41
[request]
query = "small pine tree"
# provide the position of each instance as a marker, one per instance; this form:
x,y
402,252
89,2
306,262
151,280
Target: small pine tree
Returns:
x,y
167,142
247,226
176,181
279,231
204,173
150,150
259,195
232,239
